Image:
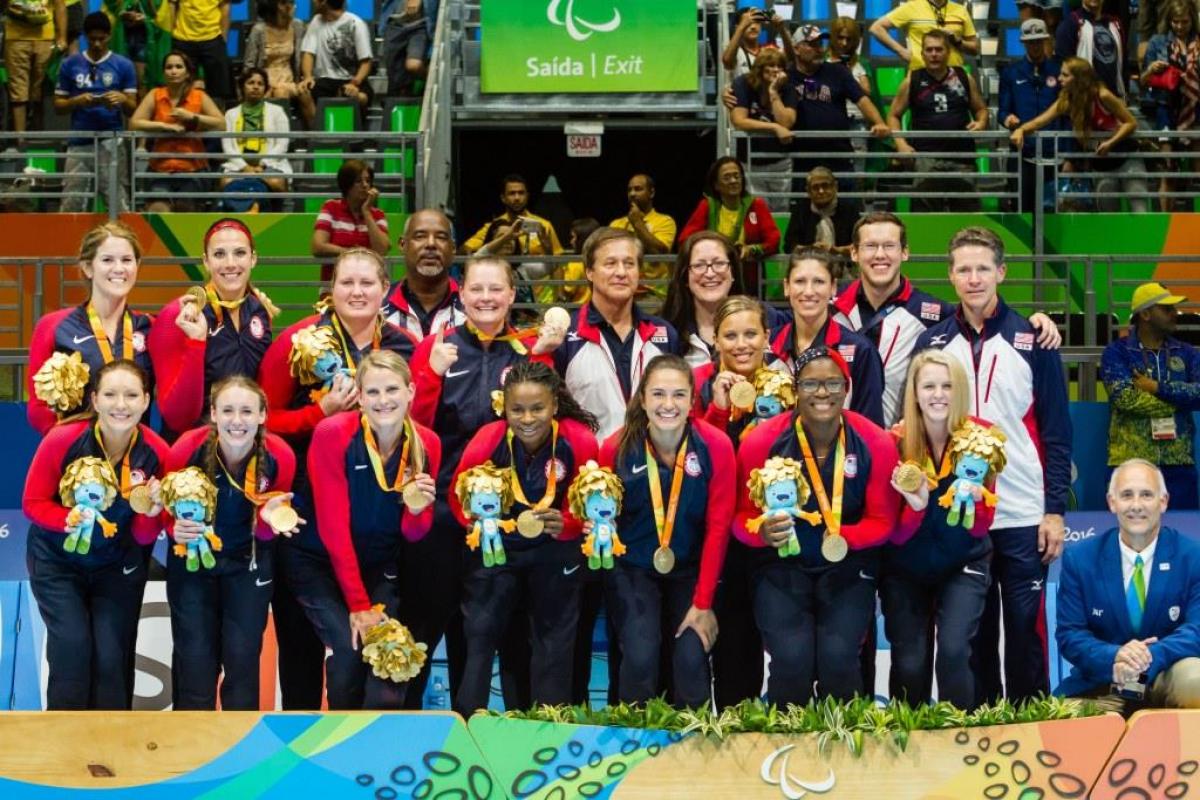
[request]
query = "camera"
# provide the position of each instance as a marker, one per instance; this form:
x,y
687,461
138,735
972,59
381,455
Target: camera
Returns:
x,y
1131,690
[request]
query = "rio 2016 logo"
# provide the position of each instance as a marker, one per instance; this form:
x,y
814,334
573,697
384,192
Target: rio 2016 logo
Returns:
x,y
579,29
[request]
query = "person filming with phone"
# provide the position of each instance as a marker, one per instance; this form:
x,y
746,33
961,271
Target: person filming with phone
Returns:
x,y
516,230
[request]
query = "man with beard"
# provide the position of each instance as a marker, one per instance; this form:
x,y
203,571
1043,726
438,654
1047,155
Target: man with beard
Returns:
x,y
426,301
532,234
1153,384
656,231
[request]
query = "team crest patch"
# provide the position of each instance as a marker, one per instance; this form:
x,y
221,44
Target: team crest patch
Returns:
x,y
846,351
931,311
850,467
752,218
139,341
256,327
1051,81
660,334
691,465
1175,363
136,476
1173,613
263,483
1023,341
560,469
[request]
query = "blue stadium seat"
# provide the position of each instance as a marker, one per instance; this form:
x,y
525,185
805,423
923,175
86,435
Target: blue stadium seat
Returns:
x,y
877,8
241,11
233,43
364,8
1007,10
816,9
1012,43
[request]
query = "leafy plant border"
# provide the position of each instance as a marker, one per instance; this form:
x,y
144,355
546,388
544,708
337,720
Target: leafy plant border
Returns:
x,y
850,722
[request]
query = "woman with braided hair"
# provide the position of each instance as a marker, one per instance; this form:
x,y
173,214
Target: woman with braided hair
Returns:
x,y
218,615
542,440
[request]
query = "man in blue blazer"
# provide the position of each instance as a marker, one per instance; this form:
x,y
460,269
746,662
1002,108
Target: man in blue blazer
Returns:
x,y
1129,601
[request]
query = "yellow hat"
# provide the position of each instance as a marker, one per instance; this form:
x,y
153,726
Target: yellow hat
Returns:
x,y
1152,294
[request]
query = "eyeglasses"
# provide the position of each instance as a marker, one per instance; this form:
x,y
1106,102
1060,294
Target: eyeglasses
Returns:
x,y
832,385
718,267
873,247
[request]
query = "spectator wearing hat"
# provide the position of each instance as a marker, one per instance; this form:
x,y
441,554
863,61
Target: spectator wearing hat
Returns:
x,y
1027,88
1153,383
915,18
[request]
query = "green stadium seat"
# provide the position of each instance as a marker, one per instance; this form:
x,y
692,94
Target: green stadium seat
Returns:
x,y
334,115
400,115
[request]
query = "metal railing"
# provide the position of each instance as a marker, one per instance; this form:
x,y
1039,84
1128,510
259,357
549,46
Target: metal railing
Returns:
x,y
437,179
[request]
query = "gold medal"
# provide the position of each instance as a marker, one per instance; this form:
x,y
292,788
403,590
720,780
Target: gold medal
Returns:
x,y
909,477
664,560
834,547
414,499
283,519
198,294
529,524
139,499
743,395
558,317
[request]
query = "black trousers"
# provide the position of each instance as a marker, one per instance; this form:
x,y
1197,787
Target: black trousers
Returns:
x,y
737,657
912,608
642,604
542,583
814,623
1019,581
91,618
217,620
349,682
212,57
301,654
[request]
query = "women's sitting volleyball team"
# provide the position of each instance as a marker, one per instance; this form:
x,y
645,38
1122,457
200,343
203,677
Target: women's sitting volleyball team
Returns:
x,y
335,473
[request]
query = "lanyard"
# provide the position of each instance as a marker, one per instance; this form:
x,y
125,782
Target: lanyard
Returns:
x,y
665,525
350,364
513,337
831,513
126,483
249,486
233,305
551,477
943,471
377,459
102,337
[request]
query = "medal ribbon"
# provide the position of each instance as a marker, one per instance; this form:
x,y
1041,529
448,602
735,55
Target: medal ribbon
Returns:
x,y
377,459
831,513
102,337
937,475
551,478
513,337
126,482
217,304
665,524
249,486
350,364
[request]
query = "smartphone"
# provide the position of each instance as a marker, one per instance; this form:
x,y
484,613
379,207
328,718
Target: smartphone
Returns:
x,y
529,226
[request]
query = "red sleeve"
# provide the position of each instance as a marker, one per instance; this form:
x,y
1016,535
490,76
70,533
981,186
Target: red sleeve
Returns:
x,y
477,451
178,363
285,473
414,527
331,496
766,224
717,417
428,383
41,417
697,222
584,447
40,500
883,503
718,512
753,452
276,379
145,529
608,450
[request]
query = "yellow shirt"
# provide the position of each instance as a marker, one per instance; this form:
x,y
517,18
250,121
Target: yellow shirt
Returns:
x,y
530,245
917,17
571,271
727,223
15,31
198,20
661,227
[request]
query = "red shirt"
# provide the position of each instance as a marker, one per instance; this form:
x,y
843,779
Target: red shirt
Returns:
x,y
344,229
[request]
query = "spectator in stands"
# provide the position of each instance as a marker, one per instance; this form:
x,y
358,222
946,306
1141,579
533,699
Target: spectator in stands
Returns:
x,y
200,30
820,218
581,229
656,231
1029,87
274,44
728,208
1129,601
534,235
76,11
255,164
406,27
845,41
1150,18
1090,33
707,270
427,300
1171,75
767,105
336,54
1029,9
353,220
131,27
915,18
942,98
99,88
32,31
177,107
1153,385
1096,115
745,43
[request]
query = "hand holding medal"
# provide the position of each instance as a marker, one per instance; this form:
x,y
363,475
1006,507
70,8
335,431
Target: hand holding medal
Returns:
x,y
910,480
146,498
279,514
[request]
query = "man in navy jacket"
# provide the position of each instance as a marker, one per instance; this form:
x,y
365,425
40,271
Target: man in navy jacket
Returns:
x,y
1129,601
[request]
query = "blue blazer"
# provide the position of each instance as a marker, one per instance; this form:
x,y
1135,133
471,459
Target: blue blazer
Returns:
x,y
1093,623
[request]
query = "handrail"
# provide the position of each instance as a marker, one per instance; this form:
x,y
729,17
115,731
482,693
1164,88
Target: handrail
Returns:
x,y
433,190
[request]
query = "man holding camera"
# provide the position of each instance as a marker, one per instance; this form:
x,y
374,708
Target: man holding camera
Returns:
x,y
531,234
1129,603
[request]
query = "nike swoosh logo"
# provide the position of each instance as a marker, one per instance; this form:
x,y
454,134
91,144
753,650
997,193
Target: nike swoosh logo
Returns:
x,y
569,570
215,331
865,576
639,469
969,571
456,374
390,577
361,466
260,582
1020,81
129,570
82,339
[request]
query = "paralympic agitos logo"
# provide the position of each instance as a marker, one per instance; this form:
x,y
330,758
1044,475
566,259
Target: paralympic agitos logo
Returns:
x,y
577,28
